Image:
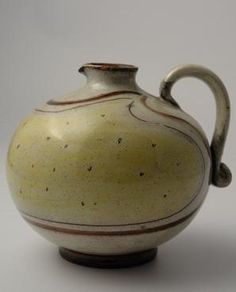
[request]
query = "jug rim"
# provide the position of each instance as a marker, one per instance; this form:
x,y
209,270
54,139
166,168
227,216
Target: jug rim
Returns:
x,y
108,67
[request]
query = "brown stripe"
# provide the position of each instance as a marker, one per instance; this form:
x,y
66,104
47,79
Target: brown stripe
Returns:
x,y
82,105
143,101
108,67
133,115
97,97
172,128
192,141
111,233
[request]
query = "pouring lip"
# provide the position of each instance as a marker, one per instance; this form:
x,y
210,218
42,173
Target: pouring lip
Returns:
x,y
108,67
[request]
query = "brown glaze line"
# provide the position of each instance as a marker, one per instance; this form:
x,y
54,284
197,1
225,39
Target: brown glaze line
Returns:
x,y
108,67
111,233
172,128
188,137
82,105
97,97
143,101
132,114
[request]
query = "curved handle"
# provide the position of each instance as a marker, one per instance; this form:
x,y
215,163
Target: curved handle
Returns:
x,y
221,175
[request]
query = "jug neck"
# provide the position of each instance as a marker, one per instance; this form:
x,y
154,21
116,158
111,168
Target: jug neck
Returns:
x,y
101,75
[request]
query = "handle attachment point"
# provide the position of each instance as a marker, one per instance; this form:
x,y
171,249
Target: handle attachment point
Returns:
x,y
221,175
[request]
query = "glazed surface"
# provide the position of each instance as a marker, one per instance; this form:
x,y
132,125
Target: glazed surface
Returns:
x,y
90,160
108,162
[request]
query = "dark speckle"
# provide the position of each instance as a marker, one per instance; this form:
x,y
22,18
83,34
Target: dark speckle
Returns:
x,y
65,146
46,189
18,146
141,173
119,140
90,168
54,169
178,163
67,123
103,115
48,138
154,145
20,191
95,203
165,195
82,203
32,165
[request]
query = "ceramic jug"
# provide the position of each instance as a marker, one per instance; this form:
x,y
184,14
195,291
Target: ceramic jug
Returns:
x,y
110,172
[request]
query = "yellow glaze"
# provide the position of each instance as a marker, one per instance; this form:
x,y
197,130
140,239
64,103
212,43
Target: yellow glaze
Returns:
x,y
108,169
92,165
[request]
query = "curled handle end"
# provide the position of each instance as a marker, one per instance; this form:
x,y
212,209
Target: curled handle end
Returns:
x,y
221,174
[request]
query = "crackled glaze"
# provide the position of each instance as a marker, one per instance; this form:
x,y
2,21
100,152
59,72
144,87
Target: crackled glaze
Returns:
x,y
109,169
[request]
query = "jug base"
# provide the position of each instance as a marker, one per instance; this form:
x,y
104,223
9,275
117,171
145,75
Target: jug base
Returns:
x,y
108,261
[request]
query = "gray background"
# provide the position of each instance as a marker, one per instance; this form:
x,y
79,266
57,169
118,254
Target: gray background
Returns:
x,y
42,44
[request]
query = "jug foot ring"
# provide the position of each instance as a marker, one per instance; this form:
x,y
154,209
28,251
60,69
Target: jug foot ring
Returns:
x,y
108,261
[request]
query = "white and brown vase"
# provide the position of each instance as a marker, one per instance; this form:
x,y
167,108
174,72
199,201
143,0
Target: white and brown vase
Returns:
x,y
110,172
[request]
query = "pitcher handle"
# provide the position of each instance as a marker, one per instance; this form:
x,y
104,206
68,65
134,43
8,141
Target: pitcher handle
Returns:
x,y
221,174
